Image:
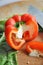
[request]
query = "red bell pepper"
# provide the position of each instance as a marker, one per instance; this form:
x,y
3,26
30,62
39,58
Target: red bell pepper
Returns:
x,y
30,21
12,26
10,21
17,18
34,45
10,34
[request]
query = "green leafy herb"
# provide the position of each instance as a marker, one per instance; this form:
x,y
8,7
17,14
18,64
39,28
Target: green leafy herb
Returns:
x,y
3,59
7,55
2,22
1,28
2,37
2,25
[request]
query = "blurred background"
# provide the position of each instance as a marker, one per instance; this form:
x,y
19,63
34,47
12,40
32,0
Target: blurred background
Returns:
x,y
10,7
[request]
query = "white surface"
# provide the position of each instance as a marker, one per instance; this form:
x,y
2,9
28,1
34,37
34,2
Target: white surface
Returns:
x,y
4,2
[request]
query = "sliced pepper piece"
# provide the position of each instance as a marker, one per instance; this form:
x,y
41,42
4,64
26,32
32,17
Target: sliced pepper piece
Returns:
x,y
34,45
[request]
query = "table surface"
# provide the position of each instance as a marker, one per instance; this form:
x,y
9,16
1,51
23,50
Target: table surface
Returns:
x,y
24,59
20,8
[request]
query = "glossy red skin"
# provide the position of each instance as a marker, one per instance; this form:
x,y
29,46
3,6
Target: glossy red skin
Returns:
x,y
34,45
17,18
30,21
27,17
26,35
10,21
35,25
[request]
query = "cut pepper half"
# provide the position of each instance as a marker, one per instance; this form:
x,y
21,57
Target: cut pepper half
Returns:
x,y
13,42
19,29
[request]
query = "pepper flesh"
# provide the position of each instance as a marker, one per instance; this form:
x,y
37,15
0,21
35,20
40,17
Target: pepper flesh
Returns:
x,y
34,45
32,27
13,44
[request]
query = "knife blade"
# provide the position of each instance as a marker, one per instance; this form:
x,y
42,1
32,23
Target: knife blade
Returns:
x,y
37,13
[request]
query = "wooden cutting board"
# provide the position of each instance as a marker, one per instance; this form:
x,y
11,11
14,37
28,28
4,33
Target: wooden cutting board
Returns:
x,y
21,8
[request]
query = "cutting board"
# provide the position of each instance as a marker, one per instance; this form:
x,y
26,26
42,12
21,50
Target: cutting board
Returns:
x,y
21,8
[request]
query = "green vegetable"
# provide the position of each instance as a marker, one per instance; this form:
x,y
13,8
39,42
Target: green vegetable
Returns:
x,y
3,59
2,22
12,58
7,55
1,27
2,37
